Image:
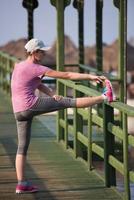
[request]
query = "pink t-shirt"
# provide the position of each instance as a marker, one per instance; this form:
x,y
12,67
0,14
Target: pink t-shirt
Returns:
x,y
25,79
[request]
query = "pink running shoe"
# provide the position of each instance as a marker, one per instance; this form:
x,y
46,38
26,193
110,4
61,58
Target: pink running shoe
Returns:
x,y
108,91
28,188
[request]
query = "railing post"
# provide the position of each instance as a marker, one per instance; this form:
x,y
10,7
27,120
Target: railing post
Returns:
x,y
79,5
60,115
99,8
7,75
99,41
125,158
109,142
60,6
89,158
0,71
75,132
123,49
4,74
66,121
122,7
78,126
60,58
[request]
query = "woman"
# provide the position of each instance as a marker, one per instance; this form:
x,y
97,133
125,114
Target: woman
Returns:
x,y
26,78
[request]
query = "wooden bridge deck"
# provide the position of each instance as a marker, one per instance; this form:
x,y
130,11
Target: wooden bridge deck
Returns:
x,y
49,165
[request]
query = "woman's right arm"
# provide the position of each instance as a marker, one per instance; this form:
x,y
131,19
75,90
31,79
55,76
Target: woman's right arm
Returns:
x,y
74,76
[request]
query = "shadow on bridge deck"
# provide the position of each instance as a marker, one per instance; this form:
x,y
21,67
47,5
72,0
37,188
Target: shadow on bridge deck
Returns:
x,y
49,165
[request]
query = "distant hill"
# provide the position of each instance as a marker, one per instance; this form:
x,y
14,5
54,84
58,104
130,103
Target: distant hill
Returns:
x,y
110,56
110,53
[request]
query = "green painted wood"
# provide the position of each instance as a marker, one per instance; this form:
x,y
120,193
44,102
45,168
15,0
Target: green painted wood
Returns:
x,y
99,23
60,35
97,120
83,113
66,121
75,110
49,165
7,56
125,158
115,130
75,130
79,129
131,140
109,142
54,3
123,49
79,5
129,110
99,42
89,135
82,138
81,36
62,123
6,66
116,164
98,150
71,129
60,115
131,174
119,133
60,59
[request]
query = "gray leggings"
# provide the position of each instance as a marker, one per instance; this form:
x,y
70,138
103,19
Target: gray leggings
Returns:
x,y
24,119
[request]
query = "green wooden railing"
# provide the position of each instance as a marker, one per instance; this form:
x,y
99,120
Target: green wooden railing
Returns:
x,y
115,134
77,130
6,66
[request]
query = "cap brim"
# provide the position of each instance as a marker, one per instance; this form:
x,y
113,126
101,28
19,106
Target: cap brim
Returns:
x,y
45,48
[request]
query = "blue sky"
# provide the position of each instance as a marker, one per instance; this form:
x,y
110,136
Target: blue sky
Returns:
x,y
13,21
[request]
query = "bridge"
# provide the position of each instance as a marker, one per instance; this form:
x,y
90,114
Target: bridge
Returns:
x,y
66,147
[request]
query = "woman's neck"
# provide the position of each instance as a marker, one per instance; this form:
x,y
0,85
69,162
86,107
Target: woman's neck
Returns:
x,y
31,59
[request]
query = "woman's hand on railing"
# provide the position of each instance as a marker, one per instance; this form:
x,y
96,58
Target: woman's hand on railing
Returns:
x,y
97,79
57,97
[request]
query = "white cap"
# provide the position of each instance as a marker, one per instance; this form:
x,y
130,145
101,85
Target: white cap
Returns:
x,y
35,44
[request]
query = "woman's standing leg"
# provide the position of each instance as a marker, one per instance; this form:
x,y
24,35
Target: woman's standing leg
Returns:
x,y
24,134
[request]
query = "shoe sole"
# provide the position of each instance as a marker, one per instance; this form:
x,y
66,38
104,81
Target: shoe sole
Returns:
x,y
25,192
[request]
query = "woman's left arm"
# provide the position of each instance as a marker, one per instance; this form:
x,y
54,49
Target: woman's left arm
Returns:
x,y
43,88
